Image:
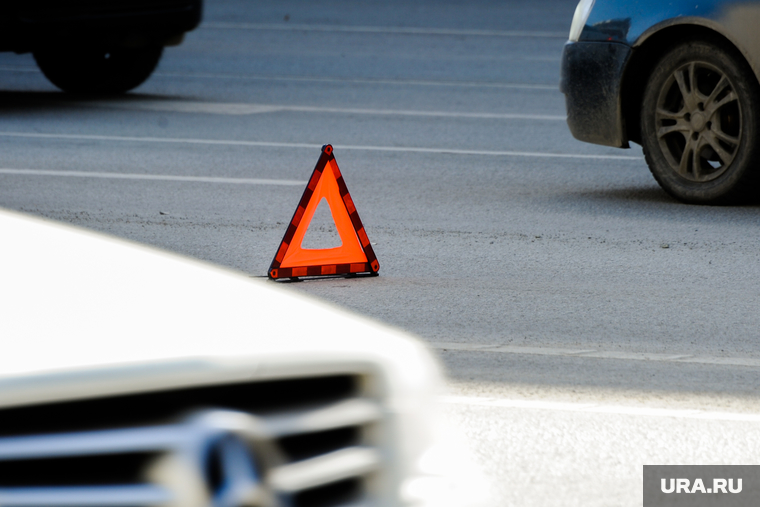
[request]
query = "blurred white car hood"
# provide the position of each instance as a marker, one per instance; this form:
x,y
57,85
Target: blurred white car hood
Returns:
x,y
84,314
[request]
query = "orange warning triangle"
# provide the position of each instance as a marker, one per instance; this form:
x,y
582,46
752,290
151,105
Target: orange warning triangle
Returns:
x,y
355,255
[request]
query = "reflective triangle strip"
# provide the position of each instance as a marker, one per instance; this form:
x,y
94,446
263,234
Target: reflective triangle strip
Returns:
x,y
355,255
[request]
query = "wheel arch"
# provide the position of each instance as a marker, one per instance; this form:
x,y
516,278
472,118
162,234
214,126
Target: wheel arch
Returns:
x,y
648,47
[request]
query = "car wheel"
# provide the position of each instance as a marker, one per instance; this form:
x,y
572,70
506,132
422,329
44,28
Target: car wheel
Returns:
x,y
699,122
86,70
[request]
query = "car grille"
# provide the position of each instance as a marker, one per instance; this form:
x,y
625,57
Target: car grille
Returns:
x,y
297,442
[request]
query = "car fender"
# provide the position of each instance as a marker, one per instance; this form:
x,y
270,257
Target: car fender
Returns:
x,y
738,26
634,25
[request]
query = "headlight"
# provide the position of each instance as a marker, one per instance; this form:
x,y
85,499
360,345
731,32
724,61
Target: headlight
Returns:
x,y
579,18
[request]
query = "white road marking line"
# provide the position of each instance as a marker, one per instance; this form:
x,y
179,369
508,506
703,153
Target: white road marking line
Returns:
x,y
296,27
598,354
403,82
308,79
267,144
599,408
159,177
183,106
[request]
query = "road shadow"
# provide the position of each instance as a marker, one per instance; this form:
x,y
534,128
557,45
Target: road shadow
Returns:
x,y
15,102
650,195
528,375
624,201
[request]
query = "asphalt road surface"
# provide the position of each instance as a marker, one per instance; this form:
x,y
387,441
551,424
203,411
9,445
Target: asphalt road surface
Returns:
x,y
589,323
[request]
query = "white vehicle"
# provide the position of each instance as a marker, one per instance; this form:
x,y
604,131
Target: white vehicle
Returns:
x,y
132,377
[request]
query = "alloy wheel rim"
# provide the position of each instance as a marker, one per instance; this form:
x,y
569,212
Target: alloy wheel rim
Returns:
x,y
698,121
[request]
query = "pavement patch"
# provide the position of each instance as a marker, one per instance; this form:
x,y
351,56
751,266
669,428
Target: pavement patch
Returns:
x,y
270,144
228,108
159,177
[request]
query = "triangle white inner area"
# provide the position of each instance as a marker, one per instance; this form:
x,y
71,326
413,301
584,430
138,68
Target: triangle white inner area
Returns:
x,y
322,232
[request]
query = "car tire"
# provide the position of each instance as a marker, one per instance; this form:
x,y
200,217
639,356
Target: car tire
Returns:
x,y
87,70
700,121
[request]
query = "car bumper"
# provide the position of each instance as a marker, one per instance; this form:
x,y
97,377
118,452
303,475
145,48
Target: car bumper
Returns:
x,y
591,79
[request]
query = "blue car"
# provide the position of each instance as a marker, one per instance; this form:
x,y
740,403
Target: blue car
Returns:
x,y
680,78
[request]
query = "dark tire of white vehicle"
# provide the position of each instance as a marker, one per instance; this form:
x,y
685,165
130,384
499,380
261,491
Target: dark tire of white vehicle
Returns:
x,y
94,70
700,122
